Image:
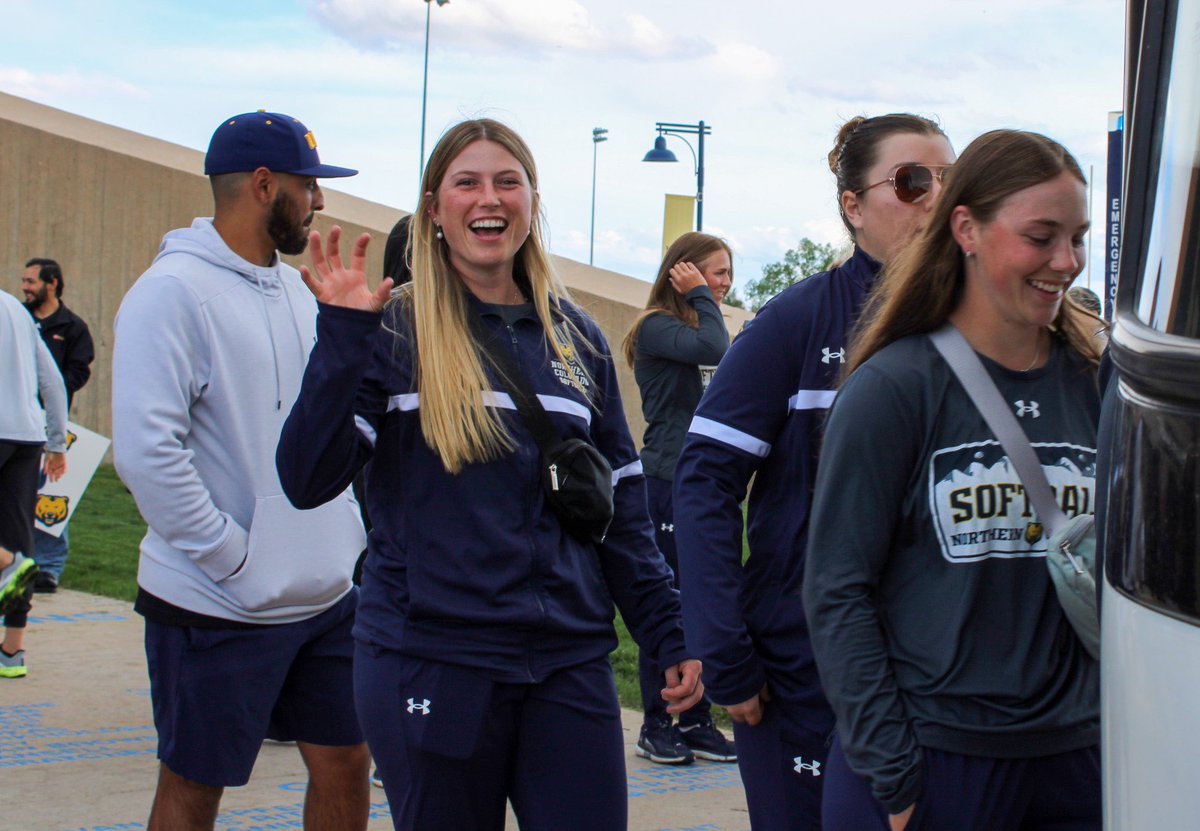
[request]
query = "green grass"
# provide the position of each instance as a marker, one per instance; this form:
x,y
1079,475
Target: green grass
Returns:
x,y
106,530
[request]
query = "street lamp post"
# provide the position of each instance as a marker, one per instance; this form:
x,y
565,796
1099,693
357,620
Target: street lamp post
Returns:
x,y
425,88
599,134
660,153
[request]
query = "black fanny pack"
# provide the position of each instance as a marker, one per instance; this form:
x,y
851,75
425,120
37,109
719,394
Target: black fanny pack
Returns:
x,y
578,484
576,478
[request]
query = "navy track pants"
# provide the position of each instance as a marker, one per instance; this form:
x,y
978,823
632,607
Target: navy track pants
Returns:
x,y
453,746
781,762
1047,793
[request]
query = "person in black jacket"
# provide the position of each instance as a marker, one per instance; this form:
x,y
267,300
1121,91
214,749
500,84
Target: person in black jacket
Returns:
x,y
484,626
673,348
70,342
964,698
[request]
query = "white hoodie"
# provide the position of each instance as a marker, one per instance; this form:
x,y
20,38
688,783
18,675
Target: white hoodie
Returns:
x,y
208,358
27,369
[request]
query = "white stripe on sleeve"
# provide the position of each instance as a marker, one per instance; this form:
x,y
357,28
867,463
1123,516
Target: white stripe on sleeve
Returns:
x,y
812,400
727,435
634,468
365,428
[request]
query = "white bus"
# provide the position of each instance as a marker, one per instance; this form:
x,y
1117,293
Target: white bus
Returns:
x,y
1150,440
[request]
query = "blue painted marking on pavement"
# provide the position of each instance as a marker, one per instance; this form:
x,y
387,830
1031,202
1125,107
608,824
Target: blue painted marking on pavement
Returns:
x,y
661,781
25,741
270,818
78,617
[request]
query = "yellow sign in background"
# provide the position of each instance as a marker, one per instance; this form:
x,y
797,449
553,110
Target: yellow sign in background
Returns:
x,y
679,217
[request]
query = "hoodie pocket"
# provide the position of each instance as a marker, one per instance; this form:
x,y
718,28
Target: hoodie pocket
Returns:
x,y
297,558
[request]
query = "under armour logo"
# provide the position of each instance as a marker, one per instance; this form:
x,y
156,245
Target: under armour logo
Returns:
x,y
814,768
1027,409
827,356
422,708
667,527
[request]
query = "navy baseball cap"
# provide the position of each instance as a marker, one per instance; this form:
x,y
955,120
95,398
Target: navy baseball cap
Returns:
x,y
277,142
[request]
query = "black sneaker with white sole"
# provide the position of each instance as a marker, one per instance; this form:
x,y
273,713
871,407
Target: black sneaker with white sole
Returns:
x,y
660,742
707,742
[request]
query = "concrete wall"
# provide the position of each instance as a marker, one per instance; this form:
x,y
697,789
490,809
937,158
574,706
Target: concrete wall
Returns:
x,y
98,199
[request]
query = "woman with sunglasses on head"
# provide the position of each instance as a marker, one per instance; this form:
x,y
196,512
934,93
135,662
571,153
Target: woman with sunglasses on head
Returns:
x,y
484,625
964,698
761,417
673,348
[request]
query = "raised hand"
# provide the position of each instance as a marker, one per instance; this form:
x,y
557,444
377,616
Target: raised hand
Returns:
x,y
685,277
336,285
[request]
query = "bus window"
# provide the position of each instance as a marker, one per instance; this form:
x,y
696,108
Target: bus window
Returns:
x,y
1168,299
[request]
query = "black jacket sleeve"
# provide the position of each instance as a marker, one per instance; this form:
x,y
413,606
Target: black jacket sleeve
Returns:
x,y
870,449
665,336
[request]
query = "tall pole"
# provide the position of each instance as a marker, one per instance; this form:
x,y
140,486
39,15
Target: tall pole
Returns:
x,y
425,89
660,154
700,181
599,134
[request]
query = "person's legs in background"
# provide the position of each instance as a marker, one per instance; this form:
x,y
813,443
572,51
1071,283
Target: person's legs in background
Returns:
x,y
50,552
696,736
19,468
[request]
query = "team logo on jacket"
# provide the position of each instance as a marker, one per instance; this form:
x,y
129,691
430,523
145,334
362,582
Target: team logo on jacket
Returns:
x,y
51,510
70,439
979,507
828,355
572,374
422,707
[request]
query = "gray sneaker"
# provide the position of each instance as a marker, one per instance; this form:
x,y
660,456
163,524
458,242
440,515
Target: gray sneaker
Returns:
x,y
14,579
12,666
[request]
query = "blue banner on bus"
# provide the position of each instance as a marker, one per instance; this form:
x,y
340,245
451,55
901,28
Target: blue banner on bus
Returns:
x,y
1112,212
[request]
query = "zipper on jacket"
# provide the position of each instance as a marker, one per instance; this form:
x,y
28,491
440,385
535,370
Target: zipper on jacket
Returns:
x,y
535,584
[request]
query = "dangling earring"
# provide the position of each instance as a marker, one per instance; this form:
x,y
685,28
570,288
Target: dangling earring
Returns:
x,y
439,232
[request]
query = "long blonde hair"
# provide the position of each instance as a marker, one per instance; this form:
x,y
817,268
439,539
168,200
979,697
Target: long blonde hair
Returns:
x,y
450,376
924,283
693,247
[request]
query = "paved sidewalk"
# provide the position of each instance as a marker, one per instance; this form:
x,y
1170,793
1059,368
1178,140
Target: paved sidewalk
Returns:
x,y
77,743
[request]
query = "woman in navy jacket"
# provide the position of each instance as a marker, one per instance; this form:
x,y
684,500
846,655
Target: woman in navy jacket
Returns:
x,y
761,417
483,627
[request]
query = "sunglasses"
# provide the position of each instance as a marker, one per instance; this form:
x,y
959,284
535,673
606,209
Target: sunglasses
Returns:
x,y
912,182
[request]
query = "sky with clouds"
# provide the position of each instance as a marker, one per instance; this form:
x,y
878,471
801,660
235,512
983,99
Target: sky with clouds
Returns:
x,y
773,78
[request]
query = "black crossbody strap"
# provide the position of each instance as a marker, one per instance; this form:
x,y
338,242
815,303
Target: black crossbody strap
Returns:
x,y
528,406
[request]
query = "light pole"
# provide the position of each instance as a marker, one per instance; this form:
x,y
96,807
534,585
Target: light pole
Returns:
x,y
425,89
660,153
599,134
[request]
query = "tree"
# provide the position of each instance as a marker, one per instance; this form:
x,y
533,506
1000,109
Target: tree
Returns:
x,y
803,261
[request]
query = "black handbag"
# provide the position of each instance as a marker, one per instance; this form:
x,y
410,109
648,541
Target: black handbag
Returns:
x,y
576,478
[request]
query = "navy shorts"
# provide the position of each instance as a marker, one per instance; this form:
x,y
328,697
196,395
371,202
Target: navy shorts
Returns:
x,y
452,746
1045,793
218,693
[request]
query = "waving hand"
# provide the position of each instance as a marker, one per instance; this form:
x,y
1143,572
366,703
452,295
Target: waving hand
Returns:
x,y
336,285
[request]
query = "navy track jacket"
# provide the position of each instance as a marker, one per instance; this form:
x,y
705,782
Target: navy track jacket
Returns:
x,y
474,568
762,417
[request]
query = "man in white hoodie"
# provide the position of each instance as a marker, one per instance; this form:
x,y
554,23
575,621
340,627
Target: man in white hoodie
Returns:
x,y
27,370
248,601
